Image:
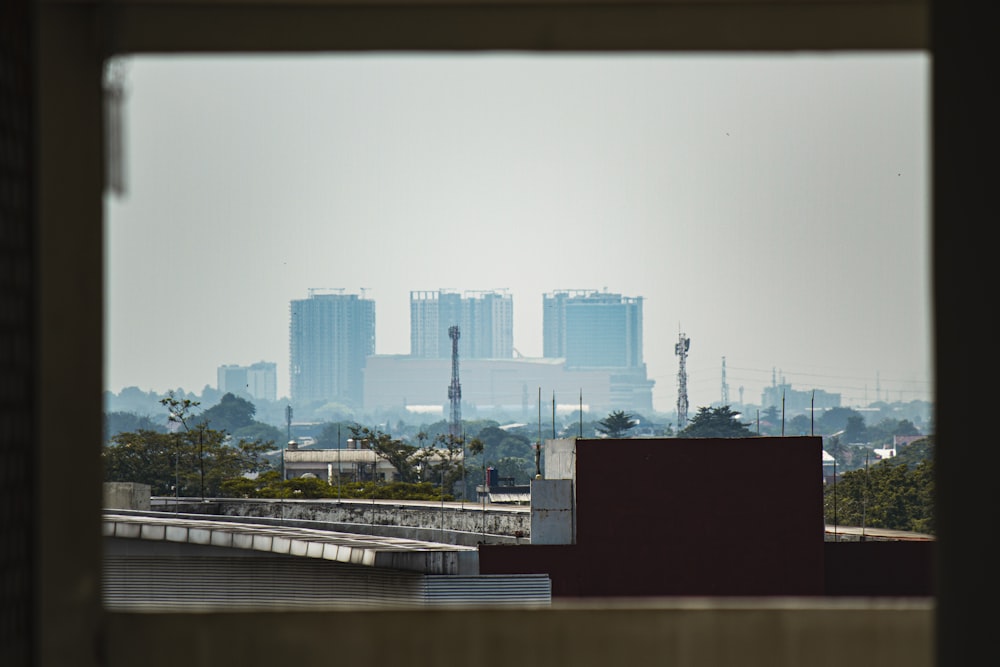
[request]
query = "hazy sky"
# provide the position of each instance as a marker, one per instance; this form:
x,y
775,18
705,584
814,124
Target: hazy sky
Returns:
x,y
775,209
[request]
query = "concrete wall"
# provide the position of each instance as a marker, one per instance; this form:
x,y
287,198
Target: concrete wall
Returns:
x,y
552,515
126,496
688,517
451,524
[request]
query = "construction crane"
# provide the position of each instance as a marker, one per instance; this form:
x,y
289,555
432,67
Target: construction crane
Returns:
x,y
681,350
455,388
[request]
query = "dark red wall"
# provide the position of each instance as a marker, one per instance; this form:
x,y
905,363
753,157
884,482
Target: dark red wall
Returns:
x,y
687,517
710,518
880,569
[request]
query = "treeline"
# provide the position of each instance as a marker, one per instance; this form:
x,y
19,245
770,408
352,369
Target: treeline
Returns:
x,y
895,493
224,452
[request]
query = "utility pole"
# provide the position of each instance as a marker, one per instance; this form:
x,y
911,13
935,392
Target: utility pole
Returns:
x,y
725,385
201,459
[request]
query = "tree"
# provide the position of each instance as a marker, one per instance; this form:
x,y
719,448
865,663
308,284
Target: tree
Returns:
x,y
143,457
855,430
450,453
123,422
719,422
897,493
883,432
517,468
195,462
499,444
441,458
398,453
194,459
230,414
333,435
616,424
916,452
800,425
771,421
259,431
834,420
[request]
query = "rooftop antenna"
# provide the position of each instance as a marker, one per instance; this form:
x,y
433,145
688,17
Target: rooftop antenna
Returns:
x,y
538,444
455,388
681,350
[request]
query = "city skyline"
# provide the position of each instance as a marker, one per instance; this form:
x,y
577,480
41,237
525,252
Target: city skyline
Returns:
x,y
773,209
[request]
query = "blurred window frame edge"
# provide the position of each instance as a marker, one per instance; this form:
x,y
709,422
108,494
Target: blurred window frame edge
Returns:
x,y
75,38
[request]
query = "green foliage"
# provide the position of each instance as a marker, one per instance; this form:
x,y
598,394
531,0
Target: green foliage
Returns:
x,y
617,424
230,414
855,430
193,460
270,485
520,469
896,494
916,452
834,420
261,432
125,422
881,435
144,457
441,458
719,422
197,461
799,425
333,435
395,491
498,444
401,455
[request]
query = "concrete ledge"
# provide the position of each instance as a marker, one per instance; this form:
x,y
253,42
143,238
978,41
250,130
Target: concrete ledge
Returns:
x,y
776,632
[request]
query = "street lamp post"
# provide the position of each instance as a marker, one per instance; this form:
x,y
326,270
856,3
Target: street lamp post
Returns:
x,y
201,461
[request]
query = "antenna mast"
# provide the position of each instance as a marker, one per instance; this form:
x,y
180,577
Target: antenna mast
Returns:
x,y
455,389
681,350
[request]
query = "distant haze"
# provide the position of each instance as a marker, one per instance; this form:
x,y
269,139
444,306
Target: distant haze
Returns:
x,y
774,209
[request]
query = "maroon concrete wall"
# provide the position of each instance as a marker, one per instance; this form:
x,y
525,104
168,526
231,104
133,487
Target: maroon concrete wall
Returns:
x,y
687,517
880,569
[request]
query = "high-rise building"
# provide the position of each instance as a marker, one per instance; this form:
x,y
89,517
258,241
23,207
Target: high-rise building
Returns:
x,y
591,329
258,381
485,318
331,334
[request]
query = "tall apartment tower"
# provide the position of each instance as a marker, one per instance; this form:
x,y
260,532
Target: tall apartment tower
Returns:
x,y
592,329
331,335
485,318
258,381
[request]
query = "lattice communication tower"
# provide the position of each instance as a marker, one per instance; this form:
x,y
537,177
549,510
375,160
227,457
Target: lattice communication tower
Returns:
x,y
681,350
455,388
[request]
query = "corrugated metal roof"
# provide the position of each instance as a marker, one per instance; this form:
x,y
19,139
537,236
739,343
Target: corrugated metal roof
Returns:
x,y
506,498
370,550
